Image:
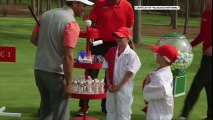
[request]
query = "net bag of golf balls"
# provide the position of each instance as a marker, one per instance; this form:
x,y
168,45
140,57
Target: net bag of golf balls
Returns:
x,y
185,55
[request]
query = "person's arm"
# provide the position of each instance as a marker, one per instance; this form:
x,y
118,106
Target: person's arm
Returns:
x,y
197,40
71,34
208,51
35,35
126,78
154,90
68,70
105,66
109,86
132,68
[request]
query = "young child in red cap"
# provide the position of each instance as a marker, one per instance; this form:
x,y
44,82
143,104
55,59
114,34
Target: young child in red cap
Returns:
x,y
121,64
158,89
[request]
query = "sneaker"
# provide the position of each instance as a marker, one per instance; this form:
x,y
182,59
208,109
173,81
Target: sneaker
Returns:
x,y
81,112
182,118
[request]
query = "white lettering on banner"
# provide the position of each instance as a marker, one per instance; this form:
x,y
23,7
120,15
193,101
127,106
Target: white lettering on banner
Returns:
x,y
156,7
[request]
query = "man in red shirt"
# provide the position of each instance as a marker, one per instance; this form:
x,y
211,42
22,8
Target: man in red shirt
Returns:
x,y
108,16
203,77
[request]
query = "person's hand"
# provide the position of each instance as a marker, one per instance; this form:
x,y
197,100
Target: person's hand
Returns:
x,y
208,52
67,91
116,88
110,88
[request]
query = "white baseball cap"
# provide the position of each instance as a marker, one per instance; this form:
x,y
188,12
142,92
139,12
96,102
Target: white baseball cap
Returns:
x,y
87,2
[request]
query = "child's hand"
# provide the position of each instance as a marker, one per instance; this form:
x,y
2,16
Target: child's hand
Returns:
x,y
116,88
110,88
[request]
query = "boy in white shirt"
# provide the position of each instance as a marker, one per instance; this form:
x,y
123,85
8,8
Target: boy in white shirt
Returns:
x,y
158,90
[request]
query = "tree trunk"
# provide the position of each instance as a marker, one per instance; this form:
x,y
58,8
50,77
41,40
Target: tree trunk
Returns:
x,y
137,24
8,1
15,1
186,17
202,8
48,4
174,16
195,7
33,5
58,3
20,1
62,2
41,7
37,7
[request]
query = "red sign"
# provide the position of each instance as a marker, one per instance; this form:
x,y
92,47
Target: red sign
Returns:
x,y
7,54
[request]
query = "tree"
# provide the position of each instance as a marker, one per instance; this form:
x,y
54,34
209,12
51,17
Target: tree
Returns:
x,y
196,7
8,1
49,4
37,7
186,17
33,5
40,7
62,2
174,15
58,3
137,24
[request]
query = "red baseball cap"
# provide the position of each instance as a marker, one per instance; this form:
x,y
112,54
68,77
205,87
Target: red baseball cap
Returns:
x,y
168,52
123,32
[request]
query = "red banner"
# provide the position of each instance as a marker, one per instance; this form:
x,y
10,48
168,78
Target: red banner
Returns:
x,y
7,54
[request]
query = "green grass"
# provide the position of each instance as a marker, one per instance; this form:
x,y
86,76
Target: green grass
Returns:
x,y
165,20
19,93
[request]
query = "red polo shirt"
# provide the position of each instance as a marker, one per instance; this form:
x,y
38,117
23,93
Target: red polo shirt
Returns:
x,y
70,36
205,35
109,18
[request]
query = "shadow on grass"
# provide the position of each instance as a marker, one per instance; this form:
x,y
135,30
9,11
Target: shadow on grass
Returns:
x,y
100,116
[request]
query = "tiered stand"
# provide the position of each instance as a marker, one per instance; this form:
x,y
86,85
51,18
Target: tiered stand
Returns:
x,y
89,34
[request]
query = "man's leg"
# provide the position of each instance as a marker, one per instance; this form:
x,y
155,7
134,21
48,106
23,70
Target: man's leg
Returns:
x,y
208,88
208,85
103,102
55,83
44,109
194,92
51,87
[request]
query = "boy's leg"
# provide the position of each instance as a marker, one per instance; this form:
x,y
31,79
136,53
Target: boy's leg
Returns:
x,y
124,102
111,106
